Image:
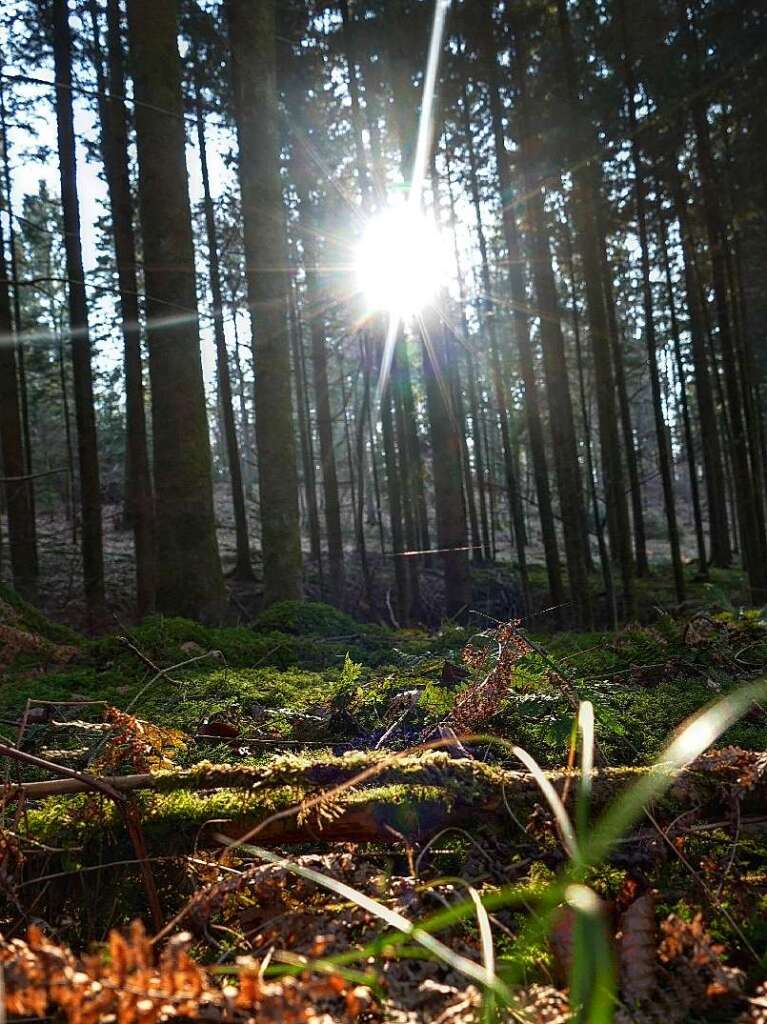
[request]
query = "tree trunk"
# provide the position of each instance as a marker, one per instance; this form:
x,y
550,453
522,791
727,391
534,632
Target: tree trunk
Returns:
x,y
17,323
585,200
682,388
562,423
401,577
446,467
242,568
752,538
664,454
191,582
624,407
85,413
305,435
713,464
139,501
18,492
520,318
480,544
604,555
252,36
309,233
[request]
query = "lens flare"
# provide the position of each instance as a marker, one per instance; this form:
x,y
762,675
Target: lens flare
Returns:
x,y
400,261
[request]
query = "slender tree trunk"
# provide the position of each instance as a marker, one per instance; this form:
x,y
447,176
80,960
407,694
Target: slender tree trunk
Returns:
x,y
252,34
407,478
566,464
585,202
16,298
664,454
604,555
18,492
401,577
447,445
752,540
305,436
562,423
308,230
114,147
446,466
713,464
361,421
391,470
682,388
87,443
191,582
624,407
520,322
247,440
242,566
477,521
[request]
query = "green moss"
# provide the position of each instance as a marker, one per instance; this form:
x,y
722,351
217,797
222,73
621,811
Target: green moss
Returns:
x,y
31,619
307,618
171,819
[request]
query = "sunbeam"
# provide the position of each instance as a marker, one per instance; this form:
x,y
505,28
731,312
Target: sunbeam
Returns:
x,y
413,204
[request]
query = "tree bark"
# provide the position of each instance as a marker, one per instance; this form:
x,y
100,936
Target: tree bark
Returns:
x,y
18,493
624,406
85,412
664,454
252,35
242,568
190,582
561,419
585,199
306,441
713,464
308,229
752,538
520,319
682,387
139,501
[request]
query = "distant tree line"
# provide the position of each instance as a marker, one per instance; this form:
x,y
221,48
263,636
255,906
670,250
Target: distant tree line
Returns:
x,y
586,388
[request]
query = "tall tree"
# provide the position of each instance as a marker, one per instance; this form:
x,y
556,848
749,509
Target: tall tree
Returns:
x,y
310,232
713,459
752,539
114,148
561,419
190,582
585,201
18,488
520,305
252,35
640,199
85,413
242,566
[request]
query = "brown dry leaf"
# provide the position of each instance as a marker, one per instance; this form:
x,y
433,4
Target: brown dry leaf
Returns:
x,y
636,950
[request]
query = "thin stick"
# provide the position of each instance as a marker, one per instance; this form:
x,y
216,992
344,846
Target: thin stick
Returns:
x,y
127,811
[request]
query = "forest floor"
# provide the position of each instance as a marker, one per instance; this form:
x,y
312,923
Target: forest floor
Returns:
x,y
398,860
495,586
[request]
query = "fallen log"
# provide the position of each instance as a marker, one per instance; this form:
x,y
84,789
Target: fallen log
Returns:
x,y
380,797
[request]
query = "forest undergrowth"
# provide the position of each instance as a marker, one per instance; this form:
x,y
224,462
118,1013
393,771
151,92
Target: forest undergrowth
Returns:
x,y
310,818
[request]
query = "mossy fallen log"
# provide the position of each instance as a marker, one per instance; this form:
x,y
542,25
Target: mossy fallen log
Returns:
x,y
363,797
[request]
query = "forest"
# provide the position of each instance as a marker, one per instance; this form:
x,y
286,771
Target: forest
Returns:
x,y
383,520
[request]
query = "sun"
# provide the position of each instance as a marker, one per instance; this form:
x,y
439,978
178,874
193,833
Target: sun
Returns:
x,y
400,261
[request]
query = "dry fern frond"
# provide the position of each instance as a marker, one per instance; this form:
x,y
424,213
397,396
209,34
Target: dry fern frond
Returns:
x,y
482,700
133,986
